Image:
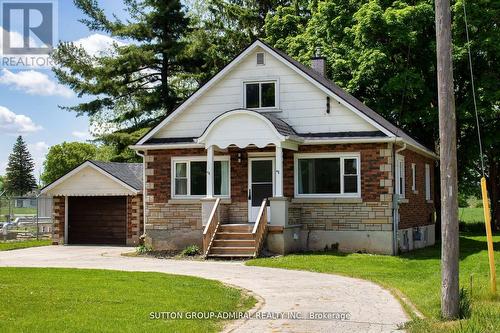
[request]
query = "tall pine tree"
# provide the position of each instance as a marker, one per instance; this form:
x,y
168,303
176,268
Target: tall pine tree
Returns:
x,y
132,85
20,179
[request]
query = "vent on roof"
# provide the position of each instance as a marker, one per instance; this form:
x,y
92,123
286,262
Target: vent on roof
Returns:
x,y
260,58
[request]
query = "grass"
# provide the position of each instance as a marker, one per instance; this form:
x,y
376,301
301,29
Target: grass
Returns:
x,y
13,245
4,210
471,215
74,300
417,276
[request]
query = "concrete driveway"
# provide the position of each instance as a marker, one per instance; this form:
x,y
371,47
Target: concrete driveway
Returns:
x,y
371,308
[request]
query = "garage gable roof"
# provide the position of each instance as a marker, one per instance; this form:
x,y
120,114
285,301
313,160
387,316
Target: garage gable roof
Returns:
x,y
128,175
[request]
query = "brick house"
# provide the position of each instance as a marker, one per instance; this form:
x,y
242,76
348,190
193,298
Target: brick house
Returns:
x,y
268,153
269,139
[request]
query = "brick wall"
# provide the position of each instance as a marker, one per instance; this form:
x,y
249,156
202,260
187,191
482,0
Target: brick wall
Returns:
x,y
135,218
372,213
415,210
375,210
58,213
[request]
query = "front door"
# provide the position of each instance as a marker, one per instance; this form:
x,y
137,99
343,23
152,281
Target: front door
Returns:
x,y
260,184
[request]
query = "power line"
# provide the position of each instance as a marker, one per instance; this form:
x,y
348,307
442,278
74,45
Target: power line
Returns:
x,y
473,91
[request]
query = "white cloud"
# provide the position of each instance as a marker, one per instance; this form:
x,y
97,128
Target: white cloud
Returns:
x,y
12,123
38,151
82,135
97,44
15,39
34,83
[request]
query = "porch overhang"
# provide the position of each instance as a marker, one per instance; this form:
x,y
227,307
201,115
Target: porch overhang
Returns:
x,y
243,128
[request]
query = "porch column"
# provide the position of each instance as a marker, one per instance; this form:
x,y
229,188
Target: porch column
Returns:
x,y
279,171
210,173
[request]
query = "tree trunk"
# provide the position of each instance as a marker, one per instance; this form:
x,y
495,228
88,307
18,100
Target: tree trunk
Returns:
x,y
448,156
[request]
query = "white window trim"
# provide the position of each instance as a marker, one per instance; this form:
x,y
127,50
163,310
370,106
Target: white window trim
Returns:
x,y
342,156
400,173
267,80
414,177
427,182
188,160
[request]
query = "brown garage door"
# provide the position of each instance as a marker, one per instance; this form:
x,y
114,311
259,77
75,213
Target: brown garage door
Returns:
x,y
97,220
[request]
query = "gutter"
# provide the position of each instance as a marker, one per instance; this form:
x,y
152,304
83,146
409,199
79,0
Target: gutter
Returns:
x,y
395,201
144,193
166,146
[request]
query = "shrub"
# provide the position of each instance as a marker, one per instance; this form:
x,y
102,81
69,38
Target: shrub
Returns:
x,y
143,249
190,251
473,228
462,201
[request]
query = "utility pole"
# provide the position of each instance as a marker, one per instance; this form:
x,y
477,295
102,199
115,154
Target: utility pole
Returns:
x,y
448,164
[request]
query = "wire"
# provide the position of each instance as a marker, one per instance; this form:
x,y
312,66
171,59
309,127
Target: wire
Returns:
x,y
473,91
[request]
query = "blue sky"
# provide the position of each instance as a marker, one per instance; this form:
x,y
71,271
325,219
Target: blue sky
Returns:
x,y
29,97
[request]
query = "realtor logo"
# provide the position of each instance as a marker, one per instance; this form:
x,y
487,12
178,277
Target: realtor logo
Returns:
x,y
28,31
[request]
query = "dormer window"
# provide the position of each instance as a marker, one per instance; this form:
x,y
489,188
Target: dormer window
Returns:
x,y
260,95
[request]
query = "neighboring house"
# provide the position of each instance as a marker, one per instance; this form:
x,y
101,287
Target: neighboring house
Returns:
x,y
98,203
336,173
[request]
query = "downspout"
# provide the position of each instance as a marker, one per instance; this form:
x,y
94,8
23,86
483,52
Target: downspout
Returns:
x,y
395,201
144,193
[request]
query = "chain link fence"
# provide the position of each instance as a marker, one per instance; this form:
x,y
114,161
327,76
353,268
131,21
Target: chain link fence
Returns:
x,y
24,218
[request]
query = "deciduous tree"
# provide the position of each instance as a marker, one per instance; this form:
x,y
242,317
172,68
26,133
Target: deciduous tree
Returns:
x,y
66,156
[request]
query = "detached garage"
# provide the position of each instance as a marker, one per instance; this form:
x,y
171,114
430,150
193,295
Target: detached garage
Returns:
x,y
98,203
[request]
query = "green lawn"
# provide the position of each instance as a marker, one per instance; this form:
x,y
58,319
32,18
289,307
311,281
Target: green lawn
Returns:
x,y
72,300
4,210
416,275
13,245
471,215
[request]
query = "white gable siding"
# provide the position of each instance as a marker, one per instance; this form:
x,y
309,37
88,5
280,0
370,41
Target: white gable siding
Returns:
x,y
89,182
302,105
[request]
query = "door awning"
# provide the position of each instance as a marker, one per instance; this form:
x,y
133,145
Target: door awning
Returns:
x,y
243,128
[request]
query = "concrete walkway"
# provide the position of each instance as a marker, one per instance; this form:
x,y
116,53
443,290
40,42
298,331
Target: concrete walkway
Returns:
x,y
371,308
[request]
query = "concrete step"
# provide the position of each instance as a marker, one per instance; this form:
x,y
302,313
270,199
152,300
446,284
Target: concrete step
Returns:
x,y
233,243
234,235
247,250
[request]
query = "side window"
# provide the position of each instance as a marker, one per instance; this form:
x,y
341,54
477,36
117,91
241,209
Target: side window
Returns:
x,y
414,177
427,182
400,176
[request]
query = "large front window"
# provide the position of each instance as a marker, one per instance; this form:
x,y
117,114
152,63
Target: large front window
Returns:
x,y
327,175
190,177
260,95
